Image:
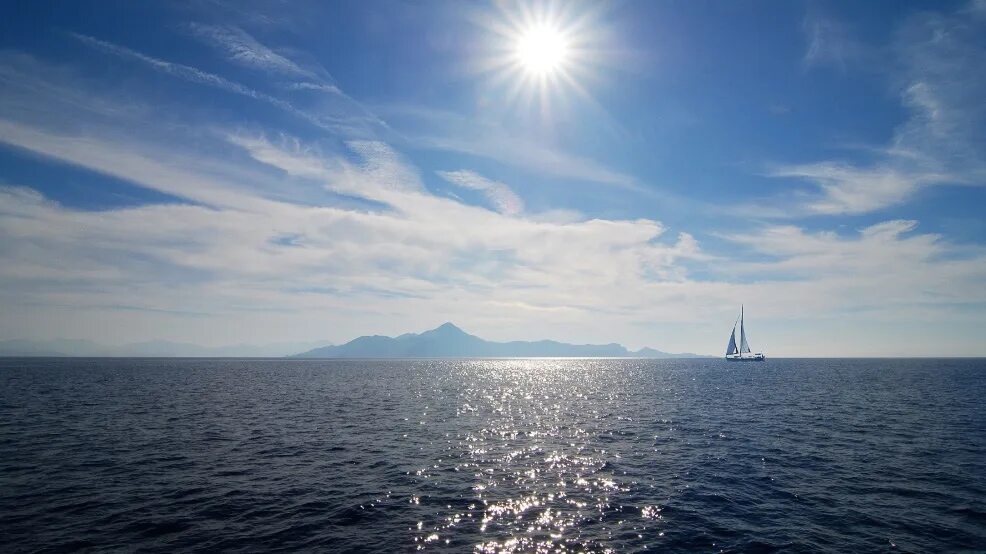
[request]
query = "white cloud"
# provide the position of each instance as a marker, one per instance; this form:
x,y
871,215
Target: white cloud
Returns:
x,y
165,173
349,124
885,269
243,49
830,42
322,87
228,257
185,72
247,51
447,131
849,189
936,69
428,259
500,195
522,153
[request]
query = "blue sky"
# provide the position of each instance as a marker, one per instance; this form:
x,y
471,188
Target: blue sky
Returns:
x,y
225,172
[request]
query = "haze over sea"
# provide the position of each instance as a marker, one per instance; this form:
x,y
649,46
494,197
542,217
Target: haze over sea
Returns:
x,y
601,455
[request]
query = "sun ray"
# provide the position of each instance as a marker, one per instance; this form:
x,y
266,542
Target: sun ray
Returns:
x,y
541,54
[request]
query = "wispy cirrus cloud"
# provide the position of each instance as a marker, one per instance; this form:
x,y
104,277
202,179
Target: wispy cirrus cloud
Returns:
x,y
181,71
245,50
518,152
830,42
936,59
345,123
321,87
433,129
500,195
851,270
848,189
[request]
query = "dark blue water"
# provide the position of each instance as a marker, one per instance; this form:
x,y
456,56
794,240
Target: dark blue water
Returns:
x,y
492,455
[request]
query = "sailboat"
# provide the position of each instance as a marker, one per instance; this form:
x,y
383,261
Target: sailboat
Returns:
x,y
742,353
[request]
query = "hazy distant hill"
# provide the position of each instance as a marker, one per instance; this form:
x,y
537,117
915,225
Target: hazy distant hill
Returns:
x,y
448,341
164,349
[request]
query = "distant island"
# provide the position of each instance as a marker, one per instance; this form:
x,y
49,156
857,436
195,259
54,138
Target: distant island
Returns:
x,y
448,341
444,341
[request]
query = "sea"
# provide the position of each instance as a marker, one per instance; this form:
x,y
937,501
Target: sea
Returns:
x,y
497,455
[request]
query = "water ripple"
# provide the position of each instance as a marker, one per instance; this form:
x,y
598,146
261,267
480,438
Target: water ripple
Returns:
x,y
492,455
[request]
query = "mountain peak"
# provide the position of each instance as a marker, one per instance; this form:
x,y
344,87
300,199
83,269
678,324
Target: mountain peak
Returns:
x,y
447,329
449,341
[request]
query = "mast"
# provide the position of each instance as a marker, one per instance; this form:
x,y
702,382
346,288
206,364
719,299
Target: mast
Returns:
x,y
744,346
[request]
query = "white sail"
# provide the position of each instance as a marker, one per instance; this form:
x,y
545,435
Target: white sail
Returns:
x,y
731,347
744,346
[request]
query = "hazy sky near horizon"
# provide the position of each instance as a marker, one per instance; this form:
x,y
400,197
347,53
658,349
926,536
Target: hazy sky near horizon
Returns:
x,y
225,172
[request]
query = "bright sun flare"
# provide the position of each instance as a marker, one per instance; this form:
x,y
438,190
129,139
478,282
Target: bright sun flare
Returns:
x,y
542,53
541,50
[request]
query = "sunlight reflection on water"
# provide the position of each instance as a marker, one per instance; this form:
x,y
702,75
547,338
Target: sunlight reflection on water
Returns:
x,y
492,455
528,436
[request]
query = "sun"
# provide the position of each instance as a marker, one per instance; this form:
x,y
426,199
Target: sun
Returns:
x,y
541,54
541,50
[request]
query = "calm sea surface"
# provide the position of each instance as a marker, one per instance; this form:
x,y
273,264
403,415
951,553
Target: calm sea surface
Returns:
x,y
166,455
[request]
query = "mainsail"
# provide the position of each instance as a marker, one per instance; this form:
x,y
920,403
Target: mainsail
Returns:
x,y
744,346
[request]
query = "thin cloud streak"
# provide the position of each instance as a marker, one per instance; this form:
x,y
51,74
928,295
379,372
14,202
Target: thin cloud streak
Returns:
x,y
245,50
321,87
498,194
829,42
941,85
198,76
451,132
527,155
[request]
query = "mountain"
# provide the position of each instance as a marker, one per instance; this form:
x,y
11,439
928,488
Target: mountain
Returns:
x,y
445,341
159,348
448,341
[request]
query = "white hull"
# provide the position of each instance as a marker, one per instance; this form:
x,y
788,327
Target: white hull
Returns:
x,y
758,357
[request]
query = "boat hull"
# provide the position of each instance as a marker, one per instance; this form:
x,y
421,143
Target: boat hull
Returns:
x,y
754,358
